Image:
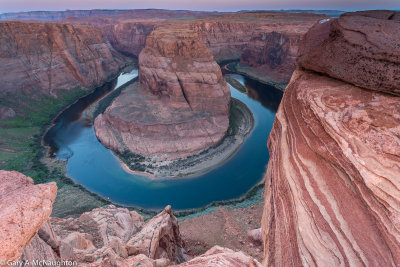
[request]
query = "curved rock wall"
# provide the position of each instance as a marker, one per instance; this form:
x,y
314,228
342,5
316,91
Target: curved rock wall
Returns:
x,y
47,57
332,187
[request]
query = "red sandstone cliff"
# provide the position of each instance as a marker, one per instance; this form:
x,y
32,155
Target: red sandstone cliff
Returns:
x,y
332,184
47,57
184,100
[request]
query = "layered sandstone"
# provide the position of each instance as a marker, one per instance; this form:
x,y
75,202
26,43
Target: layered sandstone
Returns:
x,y
43,58
181,106
332,187
24,208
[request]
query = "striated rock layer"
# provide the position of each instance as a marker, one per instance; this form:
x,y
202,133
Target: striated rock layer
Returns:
x,y
46,57
24,208
181,106
332,184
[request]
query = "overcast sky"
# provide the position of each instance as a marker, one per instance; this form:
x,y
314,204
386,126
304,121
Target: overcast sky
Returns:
x,y
221,5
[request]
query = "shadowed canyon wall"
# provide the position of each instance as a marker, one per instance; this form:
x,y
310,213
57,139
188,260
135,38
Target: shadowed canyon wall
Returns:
x,y
332,184
47,57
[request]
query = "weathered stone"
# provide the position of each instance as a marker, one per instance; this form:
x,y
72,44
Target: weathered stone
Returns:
x,y
24,208
360,48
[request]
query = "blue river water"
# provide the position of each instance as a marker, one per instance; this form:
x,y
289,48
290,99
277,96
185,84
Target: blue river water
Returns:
x,y
97,168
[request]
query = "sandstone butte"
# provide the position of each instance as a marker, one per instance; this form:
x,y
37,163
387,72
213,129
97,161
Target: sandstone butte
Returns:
x,y
43,58
332,184
181,106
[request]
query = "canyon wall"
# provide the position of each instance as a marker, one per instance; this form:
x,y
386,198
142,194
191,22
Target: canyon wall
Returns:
x,y
46,57
265,41
332,187
184,100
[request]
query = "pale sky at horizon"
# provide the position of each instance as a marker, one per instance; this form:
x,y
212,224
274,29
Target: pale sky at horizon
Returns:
x,y
220,5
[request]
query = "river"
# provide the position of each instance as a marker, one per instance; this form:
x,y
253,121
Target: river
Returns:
x,y
95,167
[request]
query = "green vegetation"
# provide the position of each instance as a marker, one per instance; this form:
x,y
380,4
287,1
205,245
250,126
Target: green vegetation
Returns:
x,y
20,136
236,84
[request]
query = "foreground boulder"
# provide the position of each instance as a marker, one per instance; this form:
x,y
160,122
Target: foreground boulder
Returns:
x,y
24,208
361,48
181,106
332,184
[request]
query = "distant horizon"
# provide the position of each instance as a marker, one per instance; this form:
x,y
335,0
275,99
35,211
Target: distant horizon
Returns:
x,y
222,11
12,6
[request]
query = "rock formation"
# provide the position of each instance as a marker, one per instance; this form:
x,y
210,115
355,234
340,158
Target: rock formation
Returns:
x,y
107,236
24,208
184,100
332,187
117,236
47,57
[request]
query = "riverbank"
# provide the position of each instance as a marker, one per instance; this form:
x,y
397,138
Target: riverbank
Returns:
x,y
253,74
241,123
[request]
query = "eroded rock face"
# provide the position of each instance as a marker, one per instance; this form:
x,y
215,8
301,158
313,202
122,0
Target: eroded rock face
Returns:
x,y
332,184
361,48
184,101
24,208
47,57
222,257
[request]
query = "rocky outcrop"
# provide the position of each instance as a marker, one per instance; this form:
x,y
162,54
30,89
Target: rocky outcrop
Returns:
x,y
117,237
360,48
222,257
332,187
43,58
184,101
159,238
24,208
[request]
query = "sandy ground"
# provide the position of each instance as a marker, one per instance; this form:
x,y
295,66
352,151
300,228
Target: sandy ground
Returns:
x,y
226,226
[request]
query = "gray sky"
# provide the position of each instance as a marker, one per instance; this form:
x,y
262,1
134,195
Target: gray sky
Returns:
x,y
221,5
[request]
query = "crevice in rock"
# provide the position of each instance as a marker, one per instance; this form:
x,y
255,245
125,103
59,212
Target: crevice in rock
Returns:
x,y
183,92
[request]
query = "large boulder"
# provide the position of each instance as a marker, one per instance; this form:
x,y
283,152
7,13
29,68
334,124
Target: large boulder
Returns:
x,y
24,208
360,48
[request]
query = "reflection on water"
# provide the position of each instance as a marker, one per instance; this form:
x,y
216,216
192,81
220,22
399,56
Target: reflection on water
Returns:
x,y
97,168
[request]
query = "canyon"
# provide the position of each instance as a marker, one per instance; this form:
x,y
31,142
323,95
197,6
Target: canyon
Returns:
x,y
332,187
